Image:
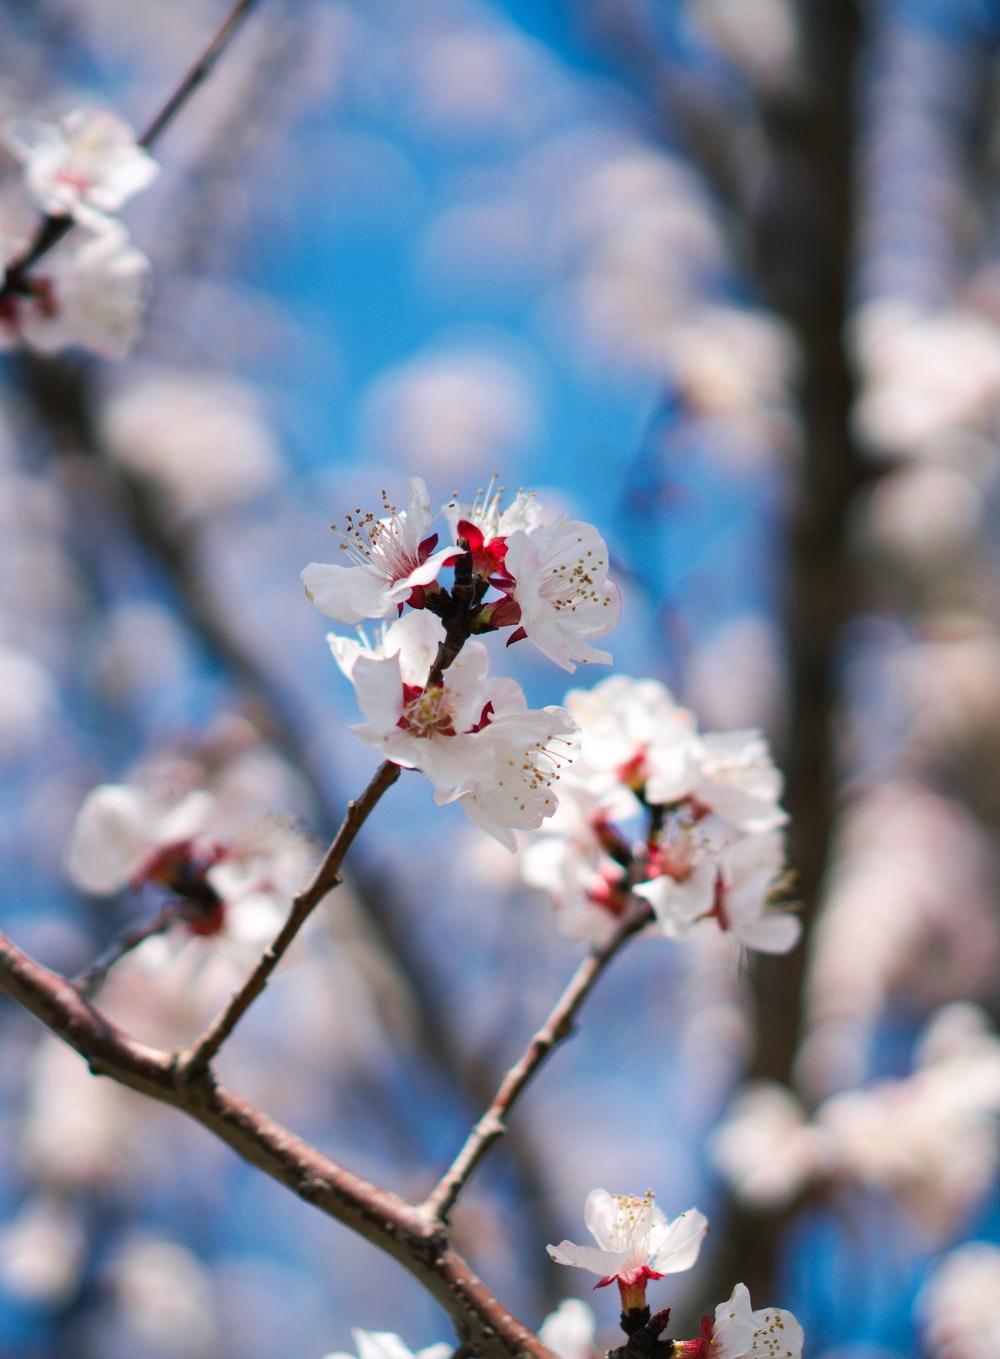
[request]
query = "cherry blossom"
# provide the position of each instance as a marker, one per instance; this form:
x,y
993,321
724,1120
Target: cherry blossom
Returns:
x,y
635,1243
738,781
91,290
561,590
470,734
588,888
387,1345
750,870
766,1148
392,560
484,527
957,1307
738,1332
229,884
88,160
634,731
929,1138
128,834
569,1331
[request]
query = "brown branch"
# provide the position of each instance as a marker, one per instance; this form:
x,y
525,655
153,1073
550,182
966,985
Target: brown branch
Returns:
x,y
53,227
61,394
559,1025
95,975
195,1060
381,1217
197,74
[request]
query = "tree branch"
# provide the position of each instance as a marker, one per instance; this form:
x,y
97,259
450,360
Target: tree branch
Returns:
x,y
195,1060
559,1025
381,1217
53,227
95,975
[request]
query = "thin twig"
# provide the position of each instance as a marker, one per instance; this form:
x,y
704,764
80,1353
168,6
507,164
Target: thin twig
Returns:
x,y
64,402
198,73
87,982
53,227
381,1217
194,1061
559,1025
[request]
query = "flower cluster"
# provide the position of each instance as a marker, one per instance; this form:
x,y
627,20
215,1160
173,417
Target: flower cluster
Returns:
x,y
423,686
929,1139
91,289
712,850
636,1243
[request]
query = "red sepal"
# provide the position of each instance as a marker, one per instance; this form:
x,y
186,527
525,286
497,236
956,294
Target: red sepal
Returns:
x,y
484,719
517,636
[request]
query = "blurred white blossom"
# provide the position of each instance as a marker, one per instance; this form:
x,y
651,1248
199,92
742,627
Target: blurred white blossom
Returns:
x,y
957,1306
89,159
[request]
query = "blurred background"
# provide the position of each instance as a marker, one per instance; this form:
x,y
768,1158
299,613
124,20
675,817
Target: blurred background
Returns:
x,y
721,276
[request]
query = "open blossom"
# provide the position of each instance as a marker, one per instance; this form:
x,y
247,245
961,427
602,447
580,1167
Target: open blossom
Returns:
x,y
738,1332
471,735
391,559
561,589
126,834
91,290
732,885
750,870
635,1243
89,159
588,888
635,734
179,842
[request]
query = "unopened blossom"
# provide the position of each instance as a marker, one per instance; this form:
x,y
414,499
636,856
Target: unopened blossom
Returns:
x,y
391,558
90,290
89,159
738,1332
635,1243
388,1345
472,735
561,589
